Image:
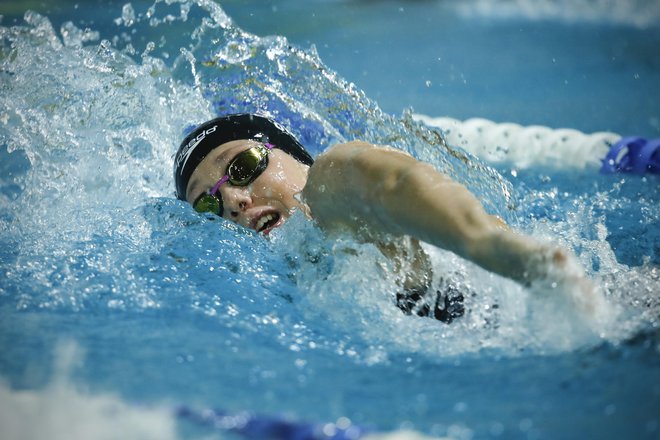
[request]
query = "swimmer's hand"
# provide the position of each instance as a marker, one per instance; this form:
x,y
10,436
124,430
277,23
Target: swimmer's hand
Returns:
x,y
558,270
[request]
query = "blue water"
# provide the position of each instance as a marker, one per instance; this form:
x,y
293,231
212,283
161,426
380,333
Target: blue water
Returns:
x,y
119,303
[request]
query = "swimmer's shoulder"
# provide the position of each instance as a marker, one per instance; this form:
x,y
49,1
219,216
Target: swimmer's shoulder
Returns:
x,y
357,160
356,149
344,152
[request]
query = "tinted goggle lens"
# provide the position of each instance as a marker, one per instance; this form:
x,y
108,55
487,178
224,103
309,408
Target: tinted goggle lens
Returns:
x,y
208,203
247,166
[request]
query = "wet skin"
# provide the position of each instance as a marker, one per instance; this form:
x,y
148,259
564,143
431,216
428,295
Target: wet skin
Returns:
x,y
265,203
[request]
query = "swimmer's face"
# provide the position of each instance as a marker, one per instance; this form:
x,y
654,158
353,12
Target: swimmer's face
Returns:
x,y
262,205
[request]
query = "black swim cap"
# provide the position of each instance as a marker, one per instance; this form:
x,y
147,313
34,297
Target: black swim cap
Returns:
x,y
210,135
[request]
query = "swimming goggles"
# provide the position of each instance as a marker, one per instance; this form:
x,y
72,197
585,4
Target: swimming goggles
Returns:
x,y
241,171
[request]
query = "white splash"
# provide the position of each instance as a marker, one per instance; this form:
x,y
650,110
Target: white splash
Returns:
x,y
66,411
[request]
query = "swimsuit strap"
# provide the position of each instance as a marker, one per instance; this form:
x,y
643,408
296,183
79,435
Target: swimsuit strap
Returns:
x,y
633,155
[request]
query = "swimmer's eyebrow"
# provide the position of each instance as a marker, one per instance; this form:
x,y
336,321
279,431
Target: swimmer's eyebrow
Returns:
x,y
221,156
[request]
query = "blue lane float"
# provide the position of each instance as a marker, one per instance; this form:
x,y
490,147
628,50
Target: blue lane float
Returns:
x,y
259,427
633,154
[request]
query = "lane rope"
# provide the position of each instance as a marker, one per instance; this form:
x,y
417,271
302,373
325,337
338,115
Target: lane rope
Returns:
x,y
524,146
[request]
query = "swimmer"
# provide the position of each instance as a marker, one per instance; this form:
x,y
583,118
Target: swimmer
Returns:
x,y
251,171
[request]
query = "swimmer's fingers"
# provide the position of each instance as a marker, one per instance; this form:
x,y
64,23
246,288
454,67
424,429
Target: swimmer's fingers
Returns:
x,y
560,272
589,300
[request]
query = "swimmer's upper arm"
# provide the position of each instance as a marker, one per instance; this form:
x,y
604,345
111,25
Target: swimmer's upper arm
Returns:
x,y
375,188
370,188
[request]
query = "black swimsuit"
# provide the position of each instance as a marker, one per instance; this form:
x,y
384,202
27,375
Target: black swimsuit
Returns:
x,y
444,305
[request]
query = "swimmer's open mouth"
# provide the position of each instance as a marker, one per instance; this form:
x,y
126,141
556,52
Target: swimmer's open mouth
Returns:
x,y
267,222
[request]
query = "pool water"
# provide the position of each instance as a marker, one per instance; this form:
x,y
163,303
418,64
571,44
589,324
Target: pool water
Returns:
x,y
120,304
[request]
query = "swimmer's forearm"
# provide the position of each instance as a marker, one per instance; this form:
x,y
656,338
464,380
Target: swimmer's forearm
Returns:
x,y
449,216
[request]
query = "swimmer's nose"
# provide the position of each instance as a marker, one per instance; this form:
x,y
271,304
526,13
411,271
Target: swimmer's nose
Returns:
x,y
236,201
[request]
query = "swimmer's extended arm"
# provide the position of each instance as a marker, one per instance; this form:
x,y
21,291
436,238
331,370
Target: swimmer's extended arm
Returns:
x,y
368,188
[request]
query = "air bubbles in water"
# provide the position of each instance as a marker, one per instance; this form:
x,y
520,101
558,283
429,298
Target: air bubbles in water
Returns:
x,y
127,15
74,37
